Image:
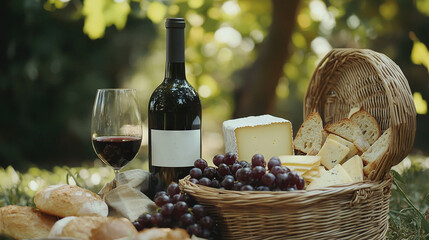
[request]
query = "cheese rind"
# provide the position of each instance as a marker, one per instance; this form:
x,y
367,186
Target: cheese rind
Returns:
x,y
352,148
265,134
354,167
335,176
332,153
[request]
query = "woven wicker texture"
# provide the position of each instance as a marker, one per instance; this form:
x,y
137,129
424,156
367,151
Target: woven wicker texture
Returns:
x,y
348,78
357,211
345,78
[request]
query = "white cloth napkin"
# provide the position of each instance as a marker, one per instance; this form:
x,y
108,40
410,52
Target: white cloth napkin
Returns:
x,y
125,197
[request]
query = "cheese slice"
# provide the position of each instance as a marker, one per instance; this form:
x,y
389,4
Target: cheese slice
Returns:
x,y
314,173
354,167
265,134
332,153
300,160
352,148
335,176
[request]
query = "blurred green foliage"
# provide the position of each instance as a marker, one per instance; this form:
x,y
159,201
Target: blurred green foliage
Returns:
x,y
57,53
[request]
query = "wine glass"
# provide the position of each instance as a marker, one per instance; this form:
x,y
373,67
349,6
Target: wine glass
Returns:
x,y
116,127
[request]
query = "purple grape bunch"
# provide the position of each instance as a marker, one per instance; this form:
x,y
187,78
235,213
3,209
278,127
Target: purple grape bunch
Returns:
x,y
257,175
176,209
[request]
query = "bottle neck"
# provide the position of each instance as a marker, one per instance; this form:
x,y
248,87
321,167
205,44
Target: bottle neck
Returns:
x,y
175,71
175,54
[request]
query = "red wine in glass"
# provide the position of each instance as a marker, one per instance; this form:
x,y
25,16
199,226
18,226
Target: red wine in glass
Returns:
x,y
116,151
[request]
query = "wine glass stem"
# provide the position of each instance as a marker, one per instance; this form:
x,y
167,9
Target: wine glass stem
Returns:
x,y
116,176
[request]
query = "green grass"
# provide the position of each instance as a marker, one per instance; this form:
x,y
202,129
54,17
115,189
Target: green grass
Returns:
x,y
409,201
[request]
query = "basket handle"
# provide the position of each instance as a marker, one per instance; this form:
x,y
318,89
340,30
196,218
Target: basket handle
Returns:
x,y
360,196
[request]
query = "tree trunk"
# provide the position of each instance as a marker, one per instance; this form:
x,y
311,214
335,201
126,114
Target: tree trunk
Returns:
x,y
257,93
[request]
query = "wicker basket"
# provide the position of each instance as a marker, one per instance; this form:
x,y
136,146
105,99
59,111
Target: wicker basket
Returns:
x,y
345,78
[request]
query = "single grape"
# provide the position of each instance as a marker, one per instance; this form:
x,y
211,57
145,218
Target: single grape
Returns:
x,y
172,189
258,160
235,167
206,234
258,172
205,181
209,172
196,173
206,222
223,169
195,229
193,180
198,211
230,158
228,182
156,219
166,222
293,188
268,179
177,197
144,220
180,208
237,186
162,199
285,169
188,199
243,174
301,184
186,220
200,163
294,178
282,180
277,170
215,184
243,163
274,161
218,159
160,193
138,226
262,188
247,188
167,209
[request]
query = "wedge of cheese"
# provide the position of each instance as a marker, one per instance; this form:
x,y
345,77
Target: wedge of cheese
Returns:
x,y
352,148
335,176
354,167
266,135
332,153
300,163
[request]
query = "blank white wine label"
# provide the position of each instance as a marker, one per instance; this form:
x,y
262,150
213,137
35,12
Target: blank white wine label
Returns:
x,y
175,148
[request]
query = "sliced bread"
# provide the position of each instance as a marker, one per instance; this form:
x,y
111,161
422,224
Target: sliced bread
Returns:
x,y
372,157
310,134
368,124
349,130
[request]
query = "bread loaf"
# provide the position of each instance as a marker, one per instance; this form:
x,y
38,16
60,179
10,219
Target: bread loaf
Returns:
x,y
114,229
310,135
162,234
66,200
22,222
368,124
349,130
77,227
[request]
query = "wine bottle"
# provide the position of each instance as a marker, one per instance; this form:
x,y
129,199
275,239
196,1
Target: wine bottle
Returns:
x,y
174,116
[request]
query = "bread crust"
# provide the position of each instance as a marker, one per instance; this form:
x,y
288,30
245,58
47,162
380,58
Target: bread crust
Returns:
x,y
310,135
114,229
162,234
23,222
66,200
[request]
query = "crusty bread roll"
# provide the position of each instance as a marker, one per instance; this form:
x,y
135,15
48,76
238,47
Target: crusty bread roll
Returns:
x,y
114,229
66,200
77,227
162,234
25,222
